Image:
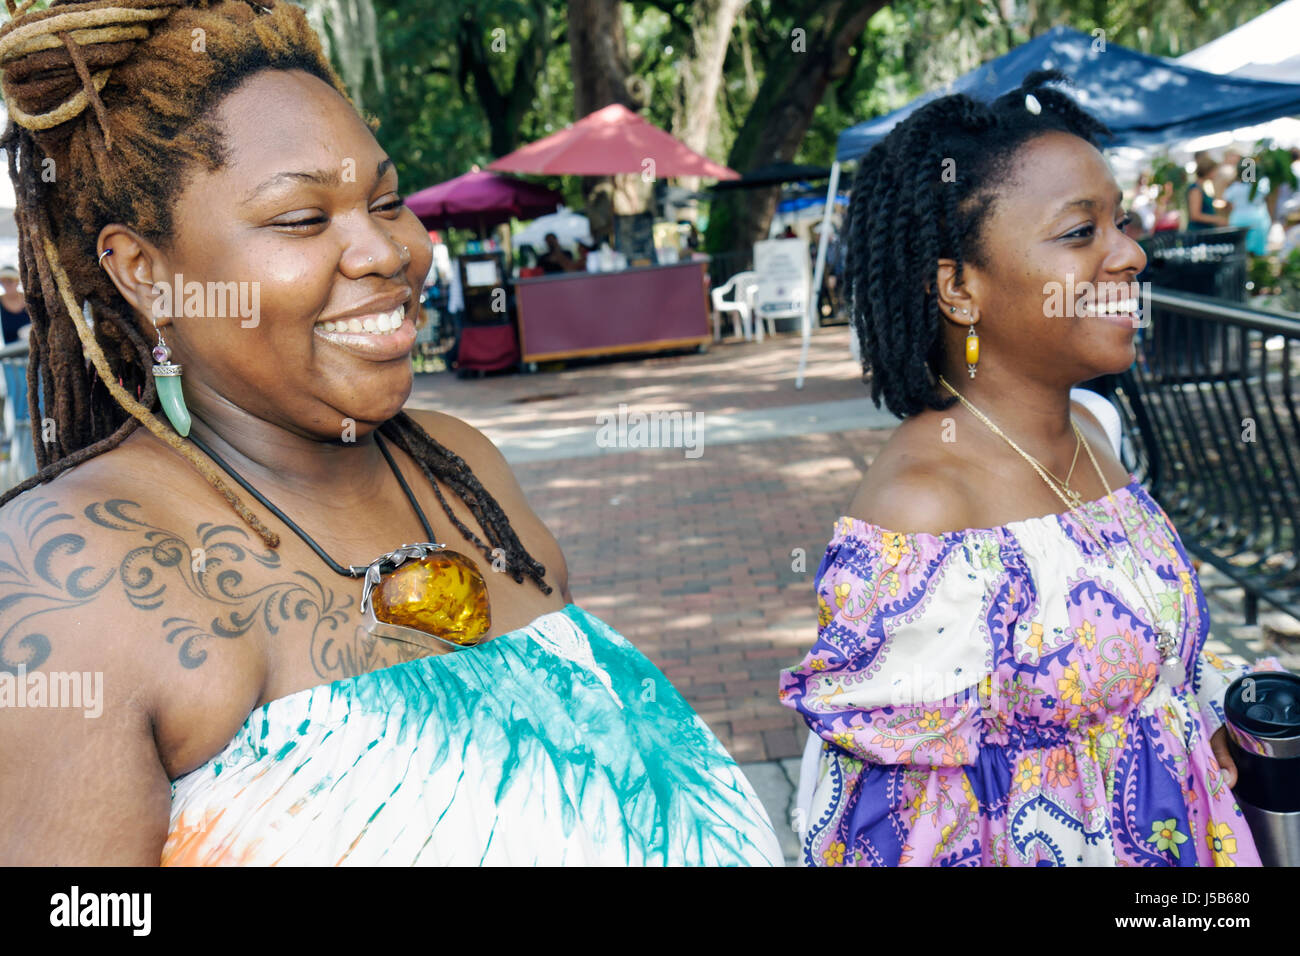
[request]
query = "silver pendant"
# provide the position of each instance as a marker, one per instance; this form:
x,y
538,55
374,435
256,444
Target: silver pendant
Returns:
x,y
1173,672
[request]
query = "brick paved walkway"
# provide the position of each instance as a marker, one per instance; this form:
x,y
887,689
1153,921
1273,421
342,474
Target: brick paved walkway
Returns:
x,y
691,558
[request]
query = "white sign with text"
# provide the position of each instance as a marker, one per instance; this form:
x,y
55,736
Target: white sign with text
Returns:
x,y
784,275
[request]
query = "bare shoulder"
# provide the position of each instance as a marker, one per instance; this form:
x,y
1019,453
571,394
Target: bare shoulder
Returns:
x,y
911,487
120,565
66,570
463,439
92,787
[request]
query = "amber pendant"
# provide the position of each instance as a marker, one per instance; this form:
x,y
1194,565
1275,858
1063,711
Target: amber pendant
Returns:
x,y
426,589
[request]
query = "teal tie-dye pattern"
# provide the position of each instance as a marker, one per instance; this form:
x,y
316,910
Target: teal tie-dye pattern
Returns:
x,y
558,743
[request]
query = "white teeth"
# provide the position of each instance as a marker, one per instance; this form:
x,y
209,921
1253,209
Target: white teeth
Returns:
x,y
372,324
1116,307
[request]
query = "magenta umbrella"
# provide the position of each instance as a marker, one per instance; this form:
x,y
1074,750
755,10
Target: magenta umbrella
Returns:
x,y
480,199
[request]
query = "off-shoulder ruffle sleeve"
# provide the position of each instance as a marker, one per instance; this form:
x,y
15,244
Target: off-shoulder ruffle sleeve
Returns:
x,y
904,645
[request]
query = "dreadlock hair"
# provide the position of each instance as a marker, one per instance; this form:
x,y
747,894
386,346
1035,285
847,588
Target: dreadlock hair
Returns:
x,y
109,102
907,211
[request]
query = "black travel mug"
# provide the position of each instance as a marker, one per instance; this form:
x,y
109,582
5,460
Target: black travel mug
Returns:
x,y
1263,722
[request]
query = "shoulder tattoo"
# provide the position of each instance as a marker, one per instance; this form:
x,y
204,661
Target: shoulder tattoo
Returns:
x,y
213,564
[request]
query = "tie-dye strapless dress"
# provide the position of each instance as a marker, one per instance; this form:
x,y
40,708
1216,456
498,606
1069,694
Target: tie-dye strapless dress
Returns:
x,y
558,743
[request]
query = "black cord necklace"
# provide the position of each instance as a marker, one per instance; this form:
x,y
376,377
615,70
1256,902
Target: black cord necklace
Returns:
x,y
353,571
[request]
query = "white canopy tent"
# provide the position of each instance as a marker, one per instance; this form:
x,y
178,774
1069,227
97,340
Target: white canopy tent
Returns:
x,y
1266,48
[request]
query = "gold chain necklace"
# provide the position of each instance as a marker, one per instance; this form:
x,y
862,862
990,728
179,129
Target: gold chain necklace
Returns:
x,y
1172,669
1074,499
1065,482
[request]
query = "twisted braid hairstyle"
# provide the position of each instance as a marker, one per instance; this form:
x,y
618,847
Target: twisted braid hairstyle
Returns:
x,y
905,215
109,102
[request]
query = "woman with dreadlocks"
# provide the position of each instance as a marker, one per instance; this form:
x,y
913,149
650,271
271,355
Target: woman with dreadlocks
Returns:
x,y
215,249
1009,665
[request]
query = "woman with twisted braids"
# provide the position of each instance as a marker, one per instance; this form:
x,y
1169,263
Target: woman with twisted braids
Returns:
x,y
1009,668
303,624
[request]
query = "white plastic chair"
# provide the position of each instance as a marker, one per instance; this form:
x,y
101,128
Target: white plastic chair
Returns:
x,y
743,286
760,319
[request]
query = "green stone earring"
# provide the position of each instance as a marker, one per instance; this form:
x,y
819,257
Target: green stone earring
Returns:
x,y
168,379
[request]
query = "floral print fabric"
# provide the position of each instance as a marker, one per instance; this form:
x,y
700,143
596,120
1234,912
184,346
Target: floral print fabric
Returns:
x,y
993,697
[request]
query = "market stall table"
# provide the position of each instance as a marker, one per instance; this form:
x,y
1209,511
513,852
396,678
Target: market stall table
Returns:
x,y
648,309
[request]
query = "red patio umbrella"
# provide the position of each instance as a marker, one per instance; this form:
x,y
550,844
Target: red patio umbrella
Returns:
x,y
608,141
480,199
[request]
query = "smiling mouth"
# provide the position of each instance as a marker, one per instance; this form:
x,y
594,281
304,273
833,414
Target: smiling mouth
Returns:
x,y
381,323
1114,309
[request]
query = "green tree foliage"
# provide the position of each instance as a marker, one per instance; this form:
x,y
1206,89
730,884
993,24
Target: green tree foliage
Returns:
x,y
450,99
466,82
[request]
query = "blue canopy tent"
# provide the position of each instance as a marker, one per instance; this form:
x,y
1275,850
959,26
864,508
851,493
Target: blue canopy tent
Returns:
x,y
1145,100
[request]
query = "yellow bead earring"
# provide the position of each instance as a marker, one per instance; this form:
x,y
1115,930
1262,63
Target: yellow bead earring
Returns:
x,y
972,349
972,342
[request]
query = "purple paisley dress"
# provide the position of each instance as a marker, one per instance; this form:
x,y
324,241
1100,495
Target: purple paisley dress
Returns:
x,y
993,697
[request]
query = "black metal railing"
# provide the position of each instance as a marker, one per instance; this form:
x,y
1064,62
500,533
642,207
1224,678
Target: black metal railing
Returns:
x,y
1213,430
1205,261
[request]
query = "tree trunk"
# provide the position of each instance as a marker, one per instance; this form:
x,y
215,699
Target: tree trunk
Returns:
x,y
800,67
503,107
711,25
599,66
598,56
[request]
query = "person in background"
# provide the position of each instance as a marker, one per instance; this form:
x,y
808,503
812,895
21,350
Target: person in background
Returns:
x,y
828,302
1168,216
1227,172
1143,207
692,235
1247,211
13,306
556,258
1204,211
1287,201
1290,239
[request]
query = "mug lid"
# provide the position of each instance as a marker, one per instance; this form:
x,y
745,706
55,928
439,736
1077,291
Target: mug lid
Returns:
x,y
1265,704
